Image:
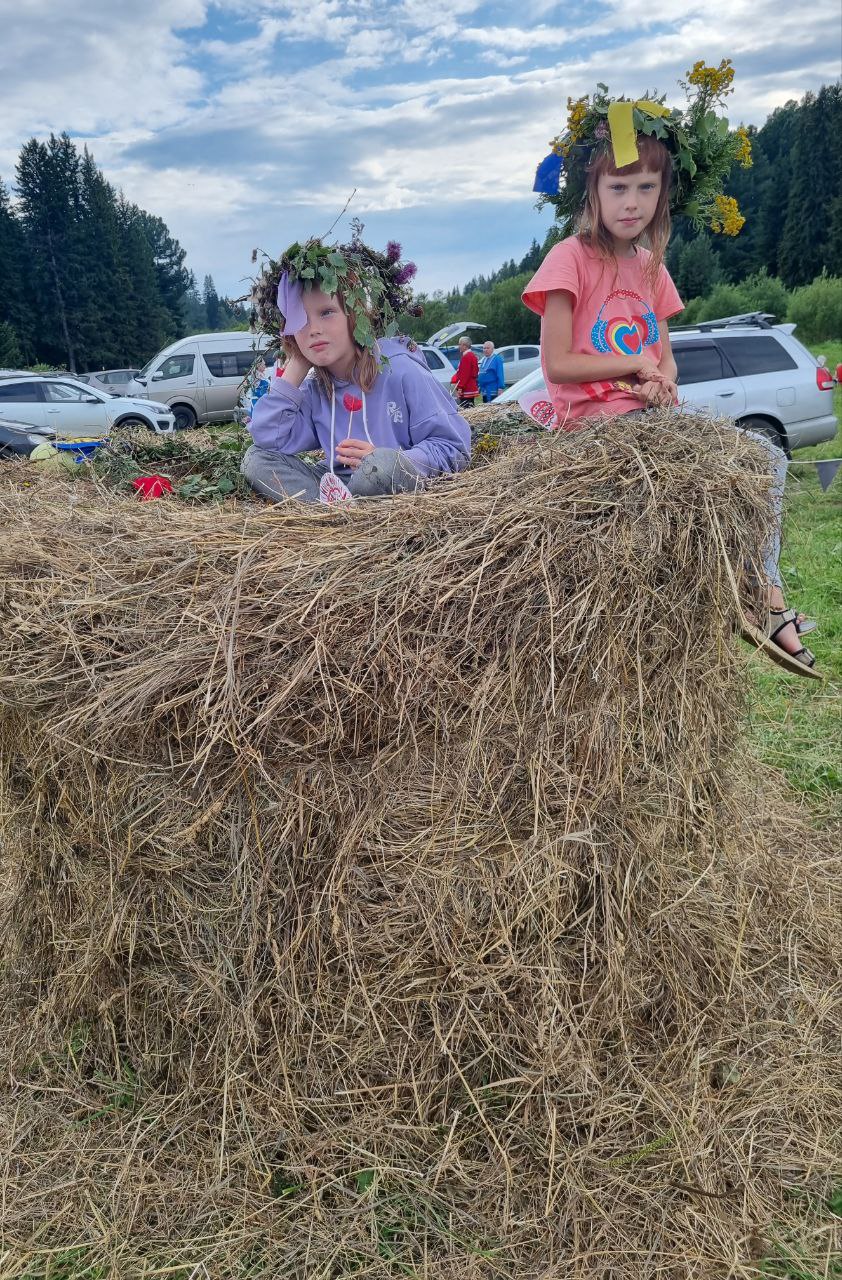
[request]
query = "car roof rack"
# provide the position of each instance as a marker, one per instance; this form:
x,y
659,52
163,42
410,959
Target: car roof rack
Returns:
x,y
759,319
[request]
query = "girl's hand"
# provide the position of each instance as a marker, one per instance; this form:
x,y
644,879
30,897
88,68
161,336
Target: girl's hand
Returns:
x,y
661,394
351,452
646,371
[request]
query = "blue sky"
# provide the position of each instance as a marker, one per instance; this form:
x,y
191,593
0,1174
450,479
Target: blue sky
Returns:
x,y
248,124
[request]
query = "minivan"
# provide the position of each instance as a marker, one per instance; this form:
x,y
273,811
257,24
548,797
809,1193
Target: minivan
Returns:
x,y
199,377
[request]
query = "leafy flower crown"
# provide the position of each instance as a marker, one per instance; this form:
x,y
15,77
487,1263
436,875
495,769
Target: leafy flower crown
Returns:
x,y
703,147
375,286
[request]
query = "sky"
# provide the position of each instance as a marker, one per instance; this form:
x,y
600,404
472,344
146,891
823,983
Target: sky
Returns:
x,y
247,124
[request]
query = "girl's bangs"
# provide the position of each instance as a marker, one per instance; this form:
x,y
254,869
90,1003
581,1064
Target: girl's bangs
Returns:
x,y
652,155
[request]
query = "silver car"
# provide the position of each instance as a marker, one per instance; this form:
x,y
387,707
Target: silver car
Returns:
x,y
71,409
745,368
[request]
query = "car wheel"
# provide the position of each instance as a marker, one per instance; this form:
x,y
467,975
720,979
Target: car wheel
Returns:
x,y
185,418
763,427
133,424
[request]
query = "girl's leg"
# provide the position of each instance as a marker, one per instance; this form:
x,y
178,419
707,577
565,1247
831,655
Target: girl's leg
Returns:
x,y
787,638
278,476
384,471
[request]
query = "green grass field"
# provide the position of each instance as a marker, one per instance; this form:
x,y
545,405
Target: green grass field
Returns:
x,y
796,724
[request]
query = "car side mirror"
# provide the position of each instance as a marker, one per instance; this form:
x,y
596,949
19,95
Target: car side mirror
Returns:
x,y
157,376
91,400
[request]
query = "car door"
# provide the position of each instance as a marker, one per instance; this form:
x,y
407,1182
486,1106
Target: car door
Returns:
x,y
706,381
73,410
22,401
774,385
528,358
438,364
222,374
509,357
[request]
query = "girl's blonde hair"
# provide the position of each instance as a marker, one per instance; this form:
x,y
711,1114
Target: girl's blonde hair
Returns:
x,y
366,366
654,156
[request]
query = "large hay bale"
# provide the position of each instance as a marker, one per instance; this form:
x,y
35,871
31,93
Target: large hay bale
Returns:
x,y
379,895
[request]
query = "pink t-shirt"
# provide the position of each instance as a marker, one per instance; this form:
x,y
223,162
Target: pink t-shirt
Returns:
x,y
615,312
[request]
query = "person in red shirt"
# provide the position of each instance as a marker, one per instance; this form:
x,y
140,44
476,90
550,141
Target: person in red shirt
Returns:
x,y
465,377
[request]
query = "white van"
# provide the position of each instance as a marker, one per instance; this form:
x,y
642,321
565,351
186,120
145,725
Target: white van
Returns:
x,y
199,377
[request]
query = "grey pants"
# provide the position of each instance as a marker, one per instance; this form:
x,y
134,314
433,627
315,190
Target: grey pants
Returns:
x,y
280,475
772,549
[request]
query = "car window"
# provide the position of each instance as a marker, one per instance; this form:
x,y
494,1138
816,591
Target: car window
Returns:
x,y
229,364
528,353
756,353
508,354
83,377
20,392
699,362
434,360
178,366
63,393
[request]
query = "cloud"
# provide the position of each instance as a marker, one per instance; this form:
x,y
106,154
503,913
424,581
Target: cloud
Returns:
x,y
243,122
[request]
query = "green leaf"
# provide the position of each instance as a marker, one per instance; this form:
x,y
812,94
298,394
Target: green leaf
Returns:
x,y
225,485
307,273
364,1180
337,260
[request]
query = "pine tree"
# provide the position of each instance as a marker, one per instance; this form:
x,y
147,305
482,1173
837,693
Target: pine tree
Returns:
x,y
17,309
814,187
697,269
48,186
171,274
11,356
211,301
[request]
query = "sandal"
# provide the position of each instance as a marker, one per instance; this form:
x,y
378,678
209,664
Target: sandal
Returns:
x,y
801,663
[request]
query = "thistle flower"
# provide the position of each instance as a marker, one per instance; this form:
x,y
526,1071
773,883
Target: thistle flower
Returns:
x,y
406,273
393,251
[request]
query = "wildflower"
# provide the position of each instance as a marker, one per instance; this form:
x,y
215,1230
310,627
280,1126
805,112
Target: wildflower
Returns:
x,y
393,251
576,112
727,219
744,152
406,273
601,132
714,82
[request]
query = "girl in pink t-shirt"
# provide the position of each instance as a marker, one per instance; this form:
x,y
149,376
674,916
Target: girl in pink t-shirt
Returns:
x,y
604,300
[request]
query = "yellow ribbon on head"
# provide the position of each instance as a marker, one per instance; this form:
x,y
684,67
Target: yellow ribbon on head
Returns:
x,y
621,125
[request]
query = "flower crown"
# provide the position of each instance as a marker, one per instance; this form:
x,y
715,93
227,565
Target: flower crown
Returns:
x,y
375,287
703,148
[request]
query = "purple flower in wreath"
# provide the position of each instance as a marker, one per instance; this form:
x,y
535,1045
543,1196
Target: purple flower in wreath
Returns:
x,y
601,132
393,251
406,273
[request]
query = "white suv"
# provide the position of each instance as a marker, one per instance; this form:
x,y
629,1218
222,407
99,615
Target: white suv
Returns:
x,y
71,409
745,368
518,361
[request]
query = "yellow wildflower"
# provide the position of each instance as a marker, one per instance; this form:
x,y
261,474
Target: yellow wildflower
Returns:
x,y
727,220
576,112
744,153
714,82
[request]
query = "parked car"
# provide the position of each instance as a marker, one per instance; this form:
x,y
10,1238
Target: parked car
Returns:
x,y
113,381
18,439
199,378
437,362
70,408
519,360
746,368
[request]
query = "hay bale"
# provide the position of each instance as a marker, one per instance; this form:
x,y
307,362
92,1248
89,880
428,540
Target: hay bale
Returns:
x,y
377,897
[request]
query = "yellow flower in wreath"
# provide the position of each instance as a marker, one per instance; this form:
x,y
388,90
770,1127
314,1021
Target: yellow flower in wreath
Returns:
x,y
727,219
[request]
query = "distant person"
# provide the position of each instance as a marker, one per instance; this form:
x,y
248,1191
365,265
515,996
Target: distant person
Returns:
x,y
465,377
491,379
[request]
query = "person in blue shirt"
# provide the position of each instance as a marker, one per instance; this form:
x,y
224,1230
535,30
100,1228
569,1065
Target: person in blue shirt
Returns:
x,y
491,379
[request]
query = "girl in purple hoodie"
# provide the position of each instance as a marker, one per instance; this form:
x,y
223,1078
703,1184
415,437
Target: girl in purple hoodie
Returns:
x,y
366,399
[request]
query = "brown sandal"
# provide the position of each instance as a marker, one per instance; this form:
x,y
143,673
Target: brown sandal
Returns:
x,y
802,662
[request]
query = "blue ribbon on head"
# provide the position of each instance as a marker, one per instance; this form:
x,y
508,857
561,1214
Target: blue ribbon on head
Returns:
x,y
290,304
548,175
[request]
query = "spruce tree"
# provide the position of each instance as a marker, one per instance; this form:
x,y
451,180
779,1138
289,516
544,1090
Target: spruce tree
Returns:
x,y
17,309
211,301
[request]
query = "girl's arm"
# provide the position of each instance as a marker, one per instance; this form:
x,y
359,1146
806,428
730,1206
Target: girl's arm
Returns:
x,y
667,364
439,437
281,420
565,365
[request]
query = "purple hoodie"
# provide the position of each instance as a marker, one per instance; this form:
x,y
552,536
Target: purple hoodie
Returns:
x,y
405,409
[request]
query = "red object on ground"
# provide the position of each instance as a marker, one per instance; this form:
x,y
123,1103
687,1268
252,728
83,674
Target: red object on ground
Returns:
x,y
151,487
466,375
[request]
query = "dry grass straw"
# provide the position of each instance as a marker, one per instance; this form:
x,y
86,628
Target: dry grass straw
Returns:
x,y
380,895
